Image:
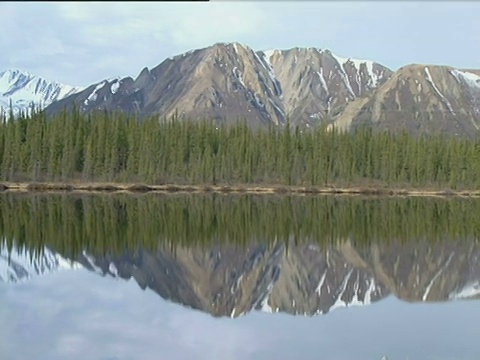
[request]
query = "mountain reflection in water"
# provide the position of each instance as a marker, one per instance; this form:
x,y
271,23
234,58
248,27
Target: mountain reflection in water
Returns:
x,y
229,256
179,247
228,280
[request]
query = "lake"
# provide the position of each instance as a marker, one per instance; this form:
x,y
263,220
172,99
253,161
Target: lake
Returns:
x,y
215,276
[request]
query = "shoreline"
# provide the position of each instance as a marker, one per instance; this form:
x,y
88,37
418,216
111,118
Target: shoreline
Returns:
x,y
102,187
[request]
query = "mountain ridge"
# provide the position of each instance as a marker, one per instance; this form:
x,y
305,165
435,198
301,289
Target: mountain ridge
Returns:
x,y
21,89
420,98
303,280
230,80
304,86
19,264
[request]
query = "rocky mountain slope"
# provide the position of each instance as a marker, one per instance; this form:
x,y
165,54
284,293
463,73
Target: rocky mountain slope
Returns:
x,y
307,86
230,81
21,89
316,82
420,99
303,279
228,282
306,280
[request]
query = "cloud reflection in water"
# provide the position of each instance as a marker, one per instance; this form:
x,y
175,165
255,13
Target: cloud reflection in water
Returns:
x,y
81,315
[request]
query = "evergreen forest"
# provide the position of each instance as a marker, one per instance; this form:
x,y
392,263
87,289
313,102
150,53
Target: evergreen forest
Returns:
x,y
116,147
105,223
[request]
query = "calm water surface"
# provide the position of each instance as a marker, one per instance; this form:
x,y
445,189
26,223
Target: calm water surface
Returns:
x,y
238,277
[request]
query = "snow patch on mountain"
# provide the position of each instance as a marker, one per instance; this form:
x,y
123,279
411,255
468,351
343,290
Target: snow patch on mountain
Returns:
x,y
318,290
470,290
470,79
238,75
114,87
19,264
439,272
275,106
357,63
268,55
265,61
322,80
444,99
93,95
21,89
91,262
471,82
342,61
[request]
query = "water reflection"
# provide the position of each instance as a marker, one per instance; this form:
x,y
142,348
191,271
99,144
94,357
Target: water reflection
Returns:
x,y
180,248
80,315
229,256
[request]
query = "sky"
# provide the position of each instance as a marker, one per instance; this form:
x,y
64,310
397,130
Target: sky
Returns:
x,y
76,314
84,43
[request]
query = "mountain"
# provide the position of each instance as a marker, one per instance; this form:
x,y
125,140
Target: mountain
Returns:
x,y
230,81
231,280
420,99
18,265
303,279
307,86
316,81
22,89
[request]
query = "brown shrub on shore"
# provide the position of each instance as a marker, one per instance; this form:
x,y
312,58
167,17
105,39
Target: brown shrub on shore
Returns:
x,y
371,191
311,190
105,187
49,187
173,188
225,189
37,187
190,188
447,192
139,188
281,190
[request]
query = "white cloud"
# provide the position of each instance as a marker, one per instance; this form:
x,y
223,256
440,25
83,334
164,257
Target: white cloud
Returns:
x,y
81,315
217,22
121,38
82,43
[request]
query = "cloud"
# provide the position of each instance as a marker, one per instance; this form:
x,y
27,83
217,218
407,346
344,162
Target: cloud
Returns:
x,y
220,22
109,39
83,43
78,315
81,315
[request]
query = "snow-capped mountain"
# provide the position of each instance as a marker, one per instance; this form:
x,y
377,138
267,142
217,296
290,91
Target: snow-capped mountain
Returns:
x,y
227,81
20,264
22,89
226,280
420,99
305,86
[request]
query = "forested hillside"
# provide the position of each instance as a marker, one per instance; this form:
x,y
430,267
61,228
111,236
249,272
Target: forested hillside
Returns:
x,y
118,148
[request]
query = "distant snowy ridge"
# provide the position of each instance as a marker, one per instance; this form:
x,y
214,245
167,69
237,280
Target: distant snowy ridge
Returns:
x,y
17,265
22,89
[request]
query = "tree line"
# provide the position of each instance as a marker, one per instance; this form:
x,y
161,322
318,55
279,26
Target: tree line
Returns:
x,y
105,224
117,147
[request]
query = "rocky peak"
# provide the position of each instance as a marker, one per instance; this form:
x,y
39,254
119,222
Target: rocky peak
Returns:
x,y
421,98
227,81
